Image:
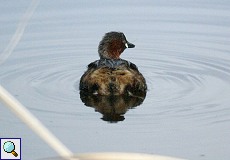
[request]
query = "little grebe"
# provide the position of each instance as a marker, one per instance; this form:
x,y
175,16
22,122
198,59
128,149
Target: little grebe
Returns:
x,y
111,75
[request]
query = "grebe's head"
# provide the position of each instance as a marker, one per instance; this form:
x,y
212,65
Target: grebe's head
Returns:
x,y
112,45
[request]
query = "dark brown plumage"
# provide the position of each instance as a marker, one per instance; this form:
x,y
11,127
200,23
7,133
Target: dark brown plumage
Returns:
x,y
111,75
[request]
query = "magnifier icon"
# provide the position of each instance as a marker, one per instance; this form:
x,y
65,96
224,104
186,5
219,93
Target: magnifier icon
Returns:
x,y
9,147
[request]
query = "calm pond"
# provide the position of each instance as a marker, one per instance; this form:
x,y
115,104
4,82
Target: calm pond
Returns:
x,y
182,49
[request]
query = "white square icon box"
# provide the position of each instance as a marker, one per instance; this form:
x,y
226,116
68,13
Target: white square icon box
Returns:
x,y
10,148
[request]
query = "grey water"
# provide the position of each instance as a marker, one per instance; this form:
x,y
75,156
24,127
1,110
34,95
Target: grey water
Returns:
x,y
182,49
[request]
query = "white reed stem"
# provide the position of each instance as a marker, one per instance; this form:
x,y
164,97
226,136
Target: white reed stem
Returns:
x,y
21,111
19,31
29,119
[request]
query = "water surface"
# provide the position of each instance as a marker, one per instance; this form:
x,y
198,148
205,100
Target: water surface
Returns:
x,y
182,49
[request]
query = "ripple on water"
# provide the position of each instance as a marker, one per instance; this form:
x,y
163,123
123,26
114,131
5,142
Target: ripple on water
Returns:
x,y
182,49
185,58
189,79
44,79
194,80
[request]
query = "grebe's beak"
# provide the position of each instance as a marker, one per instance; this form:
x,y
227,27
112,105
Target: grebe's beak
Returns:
x,y
129,45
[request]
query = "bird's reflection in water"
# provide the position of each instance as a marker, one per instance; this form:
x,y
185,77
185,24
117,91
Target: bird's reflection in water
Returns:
x,y
112,107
